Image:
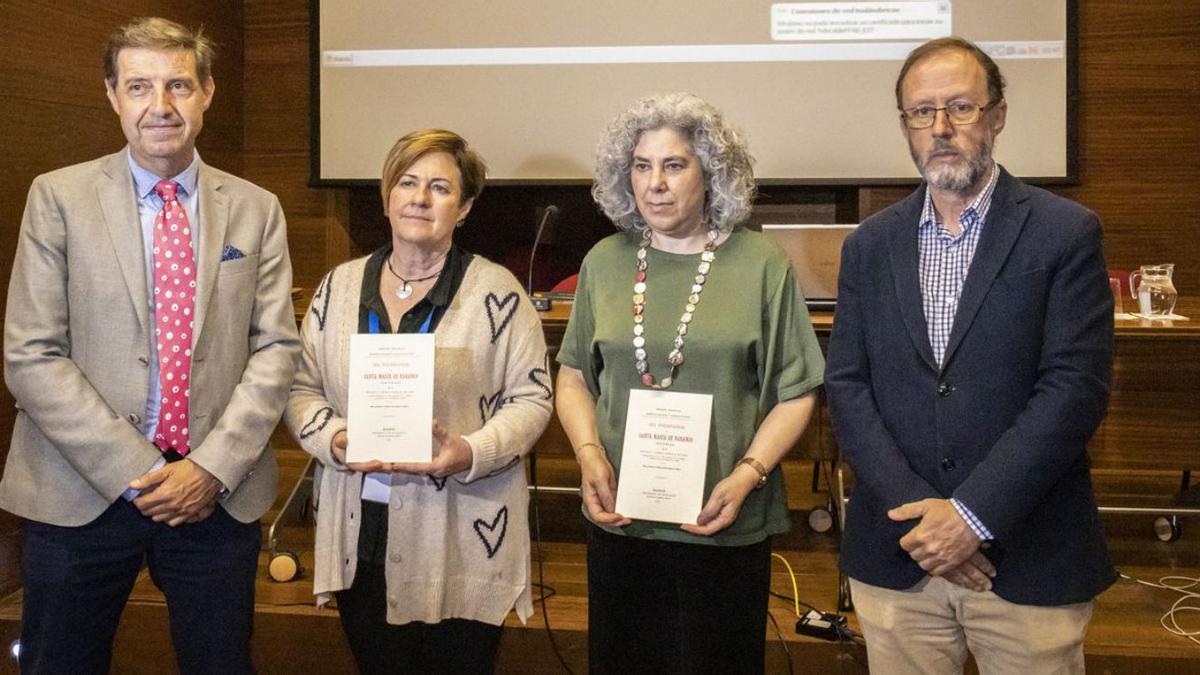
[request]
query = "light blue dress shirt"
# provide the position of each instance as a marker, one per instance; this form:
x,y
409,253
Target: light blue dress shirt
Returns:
x,y
149,204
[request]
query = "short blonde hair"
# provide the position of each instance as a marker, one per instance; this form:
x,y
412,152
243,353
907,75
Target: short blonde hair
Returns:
x,y
416,144
163,35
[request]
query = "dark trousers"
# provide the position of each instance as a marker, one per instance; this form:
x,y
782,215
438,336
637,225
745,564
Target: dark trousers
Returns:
x,y
666,607
77,580
457,646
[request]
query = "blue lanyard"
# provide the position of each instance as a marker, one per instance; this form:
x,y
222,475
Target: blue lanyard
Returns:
x,y
373,322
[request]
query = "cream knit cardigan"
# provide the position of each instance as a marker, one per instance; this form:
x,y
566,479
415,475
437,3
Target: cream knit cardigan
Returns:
x,y
458,547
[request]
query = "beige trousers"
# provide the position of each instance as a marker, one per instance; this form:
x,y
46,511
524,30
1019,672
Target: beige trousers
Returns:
x,y
929,628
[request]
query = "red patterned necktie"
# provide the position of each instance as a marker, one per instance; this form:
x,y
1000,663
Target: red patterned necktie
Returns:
x,y
174,298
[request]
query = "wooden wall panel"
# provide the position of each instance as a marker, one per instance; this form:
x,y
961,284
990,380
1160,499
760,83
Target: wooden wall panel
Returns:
x,y
276,136
53,112
1151,421
1140,131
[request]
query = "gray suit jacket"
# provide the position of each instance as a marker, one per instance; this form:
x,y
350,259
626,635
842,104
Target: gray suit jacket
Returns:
x,y
77,343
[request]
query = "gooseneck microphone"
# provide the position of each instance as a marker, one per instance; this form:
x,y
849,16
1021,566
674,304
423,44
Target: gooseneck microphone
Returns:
x,y
548,215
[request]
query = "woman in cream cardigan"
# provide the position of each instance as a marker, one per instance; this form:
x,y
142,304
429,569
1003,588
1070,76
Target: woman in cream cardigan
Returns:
x,y
425,575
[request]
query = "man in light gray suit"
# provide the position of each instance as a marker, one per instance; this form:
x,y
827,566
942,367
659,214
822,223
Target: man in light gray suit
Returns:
x,y
149,343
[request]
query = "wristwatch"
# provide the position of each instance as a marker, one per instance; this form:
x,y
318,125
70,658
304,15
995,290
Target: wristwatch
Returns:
x,y
758,467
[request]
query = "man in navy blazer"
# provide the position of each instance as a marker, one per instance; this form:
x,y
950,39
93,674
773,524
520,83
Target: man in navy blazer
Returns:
x,y
968,367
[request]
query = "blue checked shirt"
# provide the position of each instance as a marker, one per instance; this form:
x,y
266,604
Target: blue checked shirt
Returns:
x,y
944,262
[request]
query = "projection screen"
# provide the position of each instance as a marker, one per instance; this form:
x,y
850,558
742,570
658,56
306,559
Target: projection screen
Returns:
x,y
532,83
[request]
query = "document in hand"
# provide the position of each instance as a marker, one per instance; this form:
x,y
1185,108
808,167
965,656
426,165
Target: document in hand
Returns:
x,y
664,456
390,414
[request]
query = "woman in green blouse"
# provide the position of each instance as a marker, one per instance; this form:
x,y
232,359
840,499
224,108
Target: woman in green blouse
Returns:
x,y
685,300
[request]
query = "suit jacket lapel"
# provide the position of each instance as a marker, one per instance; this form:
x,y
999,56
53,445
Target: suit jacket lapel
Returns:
x,y
905,262
118,204
214,220
1006,217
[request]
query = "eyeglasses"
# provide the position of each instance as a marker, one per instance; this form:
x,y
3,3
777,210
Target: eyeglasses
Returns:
x,y
958,113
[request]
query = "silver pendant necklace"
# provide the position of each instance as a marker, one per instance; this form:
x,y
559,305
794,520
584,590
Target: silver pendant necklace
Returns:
x,y
405,290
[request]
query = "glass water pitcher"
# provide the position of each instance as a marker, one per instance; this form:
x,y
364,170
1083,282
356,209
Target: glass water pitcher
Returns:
x,y
1153,289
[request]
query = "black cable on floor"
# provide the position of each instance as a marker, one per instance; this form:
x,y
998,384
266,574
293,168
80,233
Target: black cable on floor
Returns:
x,y
537,543
792,601
547,591
787,654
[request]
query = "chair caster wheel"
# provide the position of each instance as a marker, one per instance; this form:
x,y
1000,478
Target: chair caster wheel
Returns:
x,y
820,520
1167,528
284,566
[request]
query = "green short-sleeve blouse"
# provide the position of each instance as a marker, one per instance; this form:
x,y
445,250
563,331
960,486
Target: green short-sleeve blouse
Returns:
x,y
751,345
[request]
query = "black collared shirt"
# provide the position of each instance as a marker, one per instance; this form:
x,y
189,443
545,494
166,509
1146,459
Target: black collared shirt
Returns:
x,y
372,535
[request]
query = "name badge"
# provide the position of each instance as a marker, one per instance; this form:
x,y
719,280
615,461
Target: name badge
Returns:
x,y
377,487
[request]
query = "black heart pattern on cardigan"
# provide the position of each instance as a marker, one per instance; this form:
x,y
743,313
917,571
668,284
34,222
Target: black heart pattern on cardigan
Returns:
x,y
488,405
500,312
321,298
535,376
439,484
317,423
500,522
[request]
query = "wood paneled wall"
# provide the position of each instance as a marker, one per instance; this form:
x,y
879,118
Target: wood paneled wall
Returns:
x,y
53,112
1139,132
276,136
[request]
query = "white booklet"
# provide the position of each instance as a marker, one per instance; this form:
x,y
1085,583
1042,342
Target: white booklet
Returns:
x,y
390,416
664,456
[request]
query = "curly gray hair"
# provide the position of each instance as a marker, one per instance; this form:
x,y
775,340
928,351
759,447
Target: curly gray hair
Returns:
x,y
724,157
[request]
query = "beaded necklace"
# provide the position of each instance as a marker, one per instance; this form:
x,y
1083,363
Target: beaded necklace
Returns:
x,y
675,357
